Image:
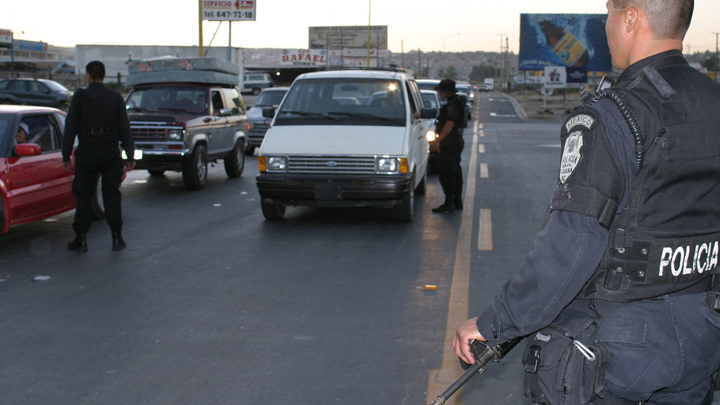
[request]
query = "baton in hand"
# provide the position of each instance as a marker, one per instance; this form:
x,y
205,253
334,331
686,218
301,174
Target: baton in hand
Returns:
x,y
488,354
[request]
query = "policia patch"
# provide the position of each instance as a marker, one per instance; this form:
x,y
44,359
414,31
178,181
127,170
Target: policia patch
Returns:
x,y
571,155
683,260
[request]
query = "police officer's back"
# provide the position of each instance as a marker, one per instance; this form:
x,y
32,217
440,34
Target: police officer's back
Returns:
x,y
97,116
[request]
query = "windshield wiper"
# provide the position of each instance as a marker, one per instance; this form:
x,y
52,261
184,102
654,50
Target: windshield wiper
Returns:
x,y
309,114
362,115
137,109
173,109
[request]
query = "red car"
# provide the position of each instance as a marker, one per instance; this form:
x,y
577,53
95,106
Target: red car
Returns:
x,y
33,184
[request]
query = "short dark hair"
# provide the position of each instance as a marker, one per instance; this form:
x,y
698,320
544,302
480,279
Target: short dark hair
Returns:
x,y
668,19
96,70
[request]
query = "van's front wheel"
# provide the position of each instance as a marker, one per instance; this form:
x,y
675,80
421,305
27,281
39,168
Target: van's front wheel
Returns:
x,y
272,212
405,211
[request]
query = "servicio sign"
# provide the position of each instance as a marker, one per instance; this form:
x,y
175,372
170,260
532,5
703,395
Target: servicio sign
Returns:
x,y
229,10
5,38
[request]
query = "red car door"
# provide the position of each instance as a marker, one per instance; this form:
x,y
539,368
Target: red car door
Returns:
x,y
37,185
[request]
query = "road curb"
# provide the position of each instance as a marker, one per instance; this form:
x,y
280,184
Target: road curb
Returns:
x,y
519,110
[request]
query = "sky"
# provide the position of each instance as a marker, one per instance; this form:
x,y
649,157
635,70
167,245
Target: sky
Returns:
x,y
284,23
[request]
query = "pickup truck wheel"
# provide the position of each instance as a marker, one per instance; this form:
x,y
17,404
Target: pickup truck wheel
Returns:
x,y
256,91
194,171
250,150
272,212
235,163
406,209
2,216
156,173
98,204
421,188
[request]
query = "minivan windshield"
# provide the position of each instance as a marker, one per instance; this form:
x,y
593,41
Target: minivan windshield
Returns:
x,y
344,101
192,100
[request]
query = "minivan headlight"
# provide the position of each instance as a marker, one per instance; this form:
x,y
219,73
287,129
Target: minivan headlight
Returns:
x,y
431,136
390,165
276,163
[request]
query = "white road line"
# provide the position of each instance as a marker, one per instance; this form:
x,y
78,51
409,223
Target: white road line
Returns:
x,y
484,173
458,307
485,231
481,148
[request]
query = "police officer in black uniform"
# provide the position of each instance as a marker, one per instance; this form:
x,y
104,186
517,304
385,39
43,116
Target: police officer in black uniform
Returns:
x,y
97,116
449,144
619,297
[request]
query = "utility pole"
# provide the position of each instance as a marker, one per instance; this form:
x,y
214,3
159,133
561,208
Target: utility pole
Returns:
x,y
717,60
369,19
507,70
419,65
402,50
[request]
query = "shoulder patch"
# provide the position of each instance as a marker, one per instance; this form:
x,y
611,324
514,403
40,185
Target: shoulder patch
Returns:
x,y
571,155
582,119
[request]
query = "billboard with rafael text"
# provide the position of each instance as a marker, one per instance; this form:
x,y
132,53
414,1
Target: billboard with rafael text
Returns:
x,y
572,40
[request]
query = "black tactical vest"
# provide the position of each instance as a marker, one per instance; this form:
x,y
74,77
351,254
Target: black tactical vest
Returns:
x,y
98,120
444,116
667,237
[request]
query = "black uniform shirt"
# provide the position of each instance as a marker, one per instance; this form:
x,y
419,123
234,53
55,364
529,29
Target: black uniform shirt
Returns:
x,y
104,109
453,110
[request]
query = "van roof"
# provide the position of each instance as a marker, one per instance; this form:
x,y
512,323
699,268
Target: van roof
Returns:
x,y
355,74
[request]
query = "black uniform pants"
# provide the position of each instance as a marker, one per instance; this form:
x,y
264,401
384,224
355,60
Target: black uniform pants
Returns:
x,y
91,161
449,164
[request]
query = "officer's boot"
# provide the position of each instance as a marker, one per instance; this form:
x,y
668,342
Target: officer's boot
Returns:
x,y
79,244
458,202
118,242
448,206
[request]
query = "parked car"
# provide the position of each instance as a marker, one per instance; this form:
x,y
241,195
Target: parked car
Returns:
x,y
259,124
427,84
33,184
254,83
468,107
432,100
467,89
182,119
38,92
323,153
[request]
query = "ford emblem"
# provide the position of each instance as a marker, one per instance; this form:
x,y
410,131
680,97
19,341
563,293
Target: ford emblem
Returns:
x,y
331,164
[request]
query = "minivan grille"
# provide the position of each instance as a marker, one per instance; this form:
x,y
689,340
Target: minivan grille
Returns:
x,y
331,164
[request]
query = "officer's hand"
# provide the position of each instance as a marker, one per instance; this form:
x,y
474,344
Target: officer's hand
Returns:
x,y
465,333
129,165
67,166
435,147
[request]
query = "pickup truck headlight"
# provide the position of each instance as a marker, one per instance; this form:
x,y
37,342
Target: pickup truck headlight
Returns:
x,y
431,136
273,163
175,135
390,165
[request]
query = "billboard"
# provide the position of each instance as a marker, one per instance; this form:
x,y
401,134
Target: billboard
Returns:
x,y
229,10
303,57
6,37
337,38
572,40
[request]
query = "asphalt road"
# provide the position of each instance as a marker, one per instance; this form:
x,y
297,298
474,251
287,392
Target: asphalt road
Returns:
x,y
211,304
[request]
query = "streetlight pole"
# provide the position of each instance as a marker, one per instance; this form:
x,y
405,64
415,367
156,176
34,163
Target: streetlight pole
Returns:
x,y
717,61
444,71
369,38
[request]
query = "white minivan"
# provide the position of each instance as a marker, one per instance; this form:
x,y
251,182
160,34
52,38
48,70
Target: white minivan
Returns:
x,y
346,139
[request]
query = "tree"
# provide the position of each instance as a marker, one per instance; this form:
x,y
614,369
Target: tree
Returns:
x,y
711,64
481,72
451,73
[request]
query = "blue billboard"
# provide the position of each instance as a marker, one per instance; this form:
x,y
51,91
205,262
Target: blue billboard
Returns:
x,y
572,40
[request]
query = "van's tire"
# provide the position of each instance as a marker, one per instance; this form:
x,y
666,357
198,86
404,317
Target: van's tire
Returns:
x,y
235,163
405,211
156,173
256,91
272,212
421,188
250,150
195,170
98,205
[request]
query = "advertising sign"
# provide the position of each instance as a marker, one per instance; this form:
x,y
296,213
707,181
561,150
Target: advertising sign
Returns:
x,y
573,40
229,10
5,38
336,38
559,77
303,57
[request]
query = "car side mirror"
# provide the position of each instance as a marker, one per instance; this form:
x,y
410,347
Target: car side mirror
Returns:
x,y
268,112
28,149
428,113
248,108
226,112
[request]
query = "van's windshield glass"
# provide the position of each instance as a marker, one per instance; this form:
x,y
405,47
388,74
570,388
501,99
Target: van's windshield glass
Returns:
x,y
192,100
344,101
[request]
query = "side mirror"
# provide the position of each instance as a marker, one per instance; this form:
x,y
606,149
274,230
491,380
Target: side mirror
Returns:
x,y
27,149
248,108
428,113
268,112
226,112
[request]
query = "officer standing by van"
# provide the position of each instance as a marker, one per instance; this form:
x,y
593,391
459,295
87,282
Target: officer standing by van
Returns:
x,y
620,297
97,116
450,145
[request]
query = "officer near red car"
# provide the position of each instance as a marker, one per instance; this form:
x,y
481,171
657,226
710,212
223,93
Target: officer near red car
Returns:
x,y
620,296
450,144
98,117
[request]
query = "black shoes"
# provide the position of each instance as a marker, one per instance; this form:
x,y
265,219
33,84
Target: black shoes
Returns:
x,y
448,206
79,244
458,205
118,242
